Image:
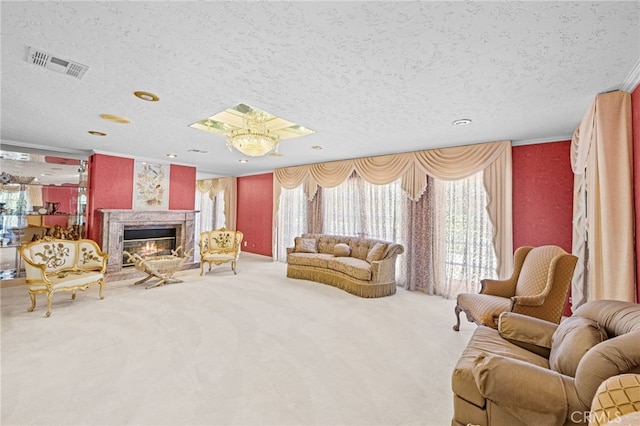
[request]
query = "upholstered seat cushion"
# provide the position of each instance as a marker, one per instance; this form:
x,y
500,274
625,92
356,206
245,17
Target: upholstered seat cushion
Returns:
x,y
487,340
319,260
485,309
356,268
71,279
219,257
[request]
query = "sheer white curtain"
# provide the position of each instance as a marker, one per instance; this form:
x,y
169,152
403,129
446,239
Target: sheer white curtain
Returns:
x,y
462,243
211,215
291,220
359,208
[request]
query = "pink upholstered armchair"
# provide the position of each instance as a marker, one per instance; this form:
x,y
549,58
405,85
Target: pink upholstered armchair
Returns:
x,y
538,287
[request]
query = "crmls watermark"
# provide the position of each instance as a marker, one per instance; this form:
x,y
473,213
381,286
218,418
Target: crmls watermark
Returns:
x,y
600,418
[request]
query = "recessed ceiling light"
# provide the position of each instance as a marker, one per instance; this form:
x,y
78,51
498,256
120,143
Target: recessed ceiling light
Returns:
x,y
317,147
172,155
276,154
97,133
243,160
114,118
198,151
146,96
461,122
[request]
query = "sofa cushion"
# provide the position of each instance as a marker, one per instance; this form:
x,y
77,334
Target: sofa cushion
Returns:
x,y
486,340
305,245
341,250
356,268
484,308
359,247
376,252
571,340
318,260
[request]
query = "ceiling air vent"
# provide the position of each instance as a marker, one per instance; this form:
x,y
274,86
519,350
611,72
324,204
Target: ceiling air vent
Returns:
x,y
48,61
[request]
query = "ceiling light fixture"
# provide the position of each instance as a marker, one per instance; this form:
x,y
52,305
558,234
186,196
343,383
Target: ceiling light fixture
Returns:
x,y
172,155
461,122
254,139
243,160
251,131
146,96
115,118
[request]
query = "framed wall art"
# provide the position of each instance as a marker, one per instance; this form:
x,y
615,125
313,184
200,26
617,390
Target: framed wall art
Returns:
x,y
150,186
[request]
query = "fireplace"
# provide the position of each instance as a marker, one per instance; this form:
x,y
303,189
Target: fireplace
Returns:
x,y
120,228
148,242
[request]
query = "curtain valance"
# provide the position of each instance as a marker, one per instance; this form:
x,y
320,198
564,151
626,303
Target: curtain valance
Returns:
x,y
446,163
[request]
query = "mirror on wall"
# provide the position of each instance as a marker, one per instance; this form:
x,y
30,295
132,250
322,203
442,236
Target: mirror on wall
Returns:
x,y
41,190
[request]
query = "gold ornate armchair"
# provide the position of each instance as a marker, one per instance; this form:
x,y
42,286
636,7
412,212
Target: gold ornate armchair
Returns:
x,y
538,287
220,246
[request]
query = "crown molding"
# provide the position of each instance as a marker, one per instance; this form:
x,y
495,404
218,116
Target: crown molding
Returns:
x,y
560,138
632,80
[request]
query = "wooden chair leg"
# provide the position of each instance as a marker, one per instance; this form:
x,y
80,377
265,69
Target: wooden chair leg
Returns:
x,y
33,302
49,300
233,267
458,310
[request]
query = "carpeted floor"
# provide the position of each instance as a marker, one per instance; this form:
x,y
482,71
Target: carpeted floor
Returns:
x,y
256,348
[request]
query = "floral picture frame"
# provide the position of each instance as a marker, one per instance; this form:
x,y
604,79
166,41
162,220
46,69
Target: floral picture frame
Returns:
x,y
150,186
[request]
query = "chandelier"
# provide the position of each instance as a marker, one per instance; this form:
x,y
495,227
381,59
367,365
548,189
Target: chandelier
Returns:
x,y
253,139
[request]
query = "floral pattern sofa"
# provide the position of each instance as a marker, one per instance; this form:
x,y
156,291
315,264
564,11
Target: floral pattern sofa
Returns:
x,y
54,265
361,266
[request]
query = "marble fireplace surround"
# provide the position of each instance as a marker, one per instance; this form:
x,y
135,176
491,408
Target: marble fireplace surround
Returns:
x,y
114,222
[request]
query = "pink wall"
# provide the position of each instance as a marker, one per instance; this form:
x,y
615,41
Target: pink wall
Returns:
x,y
255,213
66,195
635,107
182,187
110,186
542,195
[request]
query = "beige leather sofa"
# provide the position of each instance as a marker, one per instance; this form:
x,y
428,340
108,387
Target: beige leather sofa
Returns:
x,y
533,372
361,266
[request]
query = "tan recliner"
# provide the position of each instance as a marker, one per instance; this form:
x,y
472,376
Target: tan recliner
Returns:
x,y
538,287
220,246
534,372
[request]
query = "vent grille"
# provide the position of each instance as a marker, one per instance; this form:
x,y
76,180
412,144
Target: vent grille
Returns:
x,y
50,62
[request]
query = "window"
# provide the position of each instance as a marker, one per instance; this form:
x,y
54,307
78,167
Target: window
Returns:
x,y
291,221
464,229
211,215
359,208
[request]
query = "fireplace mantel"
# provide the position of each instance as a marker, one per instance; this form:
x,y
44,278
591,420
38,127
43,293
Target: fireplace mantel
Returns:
x,y
114,222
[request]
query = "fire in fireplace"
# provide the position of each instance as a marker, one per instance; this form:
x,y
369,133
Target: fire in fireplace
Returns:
x,y
148,242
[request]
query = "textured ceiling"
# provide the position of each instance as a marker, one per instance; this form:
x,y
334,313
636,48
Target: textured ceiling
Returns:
x,y
369,77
